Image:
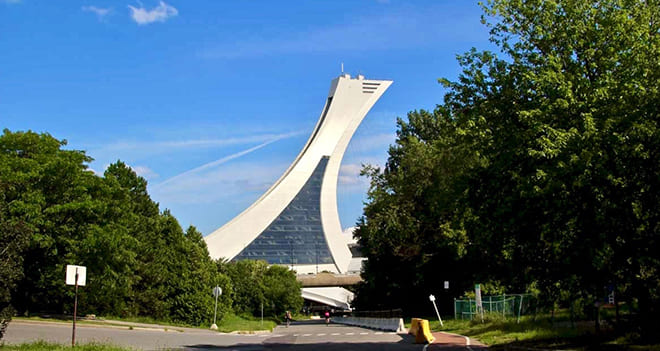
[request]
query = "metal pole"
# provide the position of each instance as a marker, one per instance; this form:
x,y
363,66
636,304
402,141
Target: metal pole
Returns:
x,y
291,253
504,305
438,313
455,308
520,308
215,312
262,313
75,312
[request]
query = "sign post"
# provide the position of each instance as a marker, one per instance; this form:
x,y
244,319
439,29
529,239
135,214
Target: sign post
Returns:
x,y
75,275
432,299
478,302
217,291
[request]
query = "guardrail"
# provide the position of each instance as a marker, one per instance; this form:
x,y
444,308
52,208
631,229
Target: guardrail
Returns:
x,y
388,324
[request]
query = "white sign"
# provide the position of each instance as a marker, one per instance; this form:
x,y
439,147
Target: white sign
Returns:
x,y
446,284
217,291
431,297
71,271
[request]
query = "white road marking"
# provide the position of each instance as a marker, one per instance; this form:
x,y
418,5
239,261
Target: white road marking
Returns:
x,y
322,334
349,334
335,334
378,333
307,335
467,340
364,333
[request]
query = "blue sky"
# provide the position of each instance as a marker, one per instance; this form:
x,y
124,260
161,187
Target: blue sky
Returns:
x,y
211,100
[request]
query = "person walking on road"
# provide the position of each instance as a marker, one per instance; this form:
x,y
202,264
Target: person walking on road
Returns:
x,y
287,317
327,317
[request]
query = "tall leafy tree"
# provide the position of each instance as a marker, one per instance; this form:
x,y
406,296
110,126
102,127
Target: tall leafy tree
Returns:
x,y
54,212
556,142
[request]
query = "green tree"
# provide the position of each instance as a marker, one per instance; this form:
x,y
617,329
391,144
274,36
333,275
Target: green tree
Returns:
x,y
542,162
247,277
14,231
47,194
281,291
54,212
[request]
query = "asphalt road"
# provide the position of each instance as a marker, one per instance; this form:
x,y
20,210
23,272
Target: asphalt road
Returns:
x,y
300,336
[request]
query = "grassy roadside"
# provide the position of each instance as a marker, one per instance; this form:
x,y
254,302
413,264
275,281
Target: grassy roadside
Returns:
x,y
540,333
229,324
233,323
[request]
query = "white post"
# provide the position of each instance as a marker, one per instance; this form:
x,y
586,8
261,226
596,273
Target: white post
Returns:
x,y
504,305
432,298
215,311
217,291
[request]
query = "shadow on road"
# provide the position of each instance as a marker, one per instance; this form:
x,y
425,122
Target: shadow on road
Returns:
x,y
404,345
309,322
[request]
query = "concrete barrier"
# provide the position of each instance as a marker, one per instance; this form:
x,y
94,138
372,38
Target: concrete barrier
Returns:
x,y
423,335
414,326
421,330
387,324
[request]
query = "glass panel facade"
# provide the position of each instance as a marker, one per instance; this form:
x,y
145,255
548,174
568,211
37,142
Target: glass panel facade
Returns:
x,y
296,235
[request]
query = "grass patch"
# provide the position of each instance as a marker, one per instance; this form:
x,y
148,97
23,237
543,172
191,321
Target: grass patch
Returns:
x,y
63,321
503,331
42,345
541,332
231,323
150,320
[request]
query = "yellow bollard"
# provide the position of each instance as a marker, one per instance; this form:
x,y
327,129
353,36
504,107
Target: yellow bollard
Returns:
x,y
414,326
423,334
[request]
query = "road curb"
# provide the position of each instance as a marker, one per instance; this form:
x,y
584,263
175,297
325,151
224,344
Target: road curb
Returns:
x,y
443,339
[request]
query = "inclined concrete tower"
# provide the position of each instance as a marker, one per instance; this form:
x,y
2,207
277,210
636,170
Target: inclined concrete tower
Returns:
x,y
295,222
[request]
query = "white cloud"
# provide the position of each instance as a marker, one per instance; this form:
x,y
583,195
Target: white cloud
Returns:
x,y
99,11
350,181
372,142
349,174
238,183
137,151
159,13
198,143
100,174
145,172
182,176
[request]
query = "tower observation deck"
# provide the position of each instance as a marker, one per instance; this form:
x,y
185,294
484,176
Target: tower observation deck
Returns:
x,y
296,222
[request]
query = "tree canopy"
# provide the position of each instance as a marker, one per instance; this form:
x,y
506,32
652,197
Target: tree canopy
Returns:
x,y
54,211
538,171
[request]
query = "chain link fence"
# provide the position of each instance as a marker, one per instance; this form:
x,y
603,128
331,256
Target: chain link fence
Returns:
x,y
506,305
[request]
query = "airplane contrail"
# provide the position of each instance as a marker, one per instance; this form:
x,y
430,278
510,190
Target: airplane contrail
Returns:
x,y
223,160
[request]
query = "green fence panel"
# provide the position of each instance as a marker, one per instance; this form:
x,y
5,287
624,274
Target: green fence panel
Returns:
x,y
508,305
